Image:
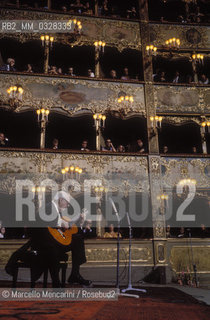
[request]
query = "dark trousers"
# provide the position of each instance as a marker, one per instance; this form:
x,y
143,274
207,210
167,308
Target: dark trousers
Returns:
x,y
49,254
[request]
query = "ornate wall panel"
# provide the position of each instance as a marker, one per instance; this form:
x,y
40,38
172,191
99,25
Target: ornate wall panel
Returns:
x,y
71,96
180,256
119,34
181,100
190,36
117,172
100,252
175,169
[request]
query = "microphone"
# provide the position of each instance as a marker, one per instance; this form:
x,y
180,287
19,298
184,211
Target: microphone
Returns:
x,y
6,139
114,208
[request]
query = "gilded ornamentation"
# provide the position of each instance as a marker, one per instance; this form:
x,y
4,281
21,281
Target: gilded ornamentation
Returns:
x,y
190,37
178,120
119,34
39,166
158,230
176,169
71,96
180,257
109,255
181,100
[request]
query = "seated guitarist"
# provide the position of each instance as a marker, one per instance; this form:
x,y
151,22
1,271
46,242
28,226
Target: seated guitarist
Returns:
x,y
50,251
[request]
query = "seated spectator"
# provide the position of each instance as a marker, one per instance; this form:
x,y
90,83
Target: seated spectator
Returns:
x,y
131,13
203,232
113,74
77,7
9,66
109,146
53,70
125,75
177,78
2,233
55,144
91,74
104,10
189,79
168,231
3,141
139,147
160,77
64,9
165,149
111,233
204,79
120,148
194,150
29,68
71,72
87,9
181,233
84,146
60,71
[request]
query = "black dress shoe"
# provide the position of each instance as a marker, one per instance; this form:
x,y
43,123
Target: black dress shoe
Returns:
x,y
78,279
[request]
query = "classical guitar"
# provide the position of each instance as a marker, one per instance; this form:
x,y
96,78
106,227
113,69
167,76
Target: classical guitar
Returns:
x,y
63,235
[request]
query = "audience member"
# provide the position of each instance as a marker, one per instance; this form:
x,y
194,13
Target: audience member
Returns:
x,y
60,71
177,78
91,74
111,233
64,9
165,149
104,10
168,231
203,232
53,70
125,75
109,146
160,76
3,140
181,233
9,66
204,79
71,72
131,13
84,145
77,7
139,147
194,150
87,9
29,68
189,79
2,232
120,148
113,74
55,144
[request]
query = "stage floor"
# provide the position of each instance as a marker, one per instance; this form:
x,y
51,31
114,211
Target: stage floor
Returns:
x,y
158,303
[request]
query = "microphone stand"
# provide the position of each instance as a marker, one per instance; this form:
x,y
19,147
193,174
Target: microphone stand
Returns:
x,y
118,243
194,265
130,288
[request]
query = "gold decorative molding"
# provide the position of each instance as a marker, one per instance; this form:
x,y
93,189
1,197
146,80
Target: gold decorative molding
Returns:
x,y
111,169
180,257
71,96
175,169
192,37
181,100
119,34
